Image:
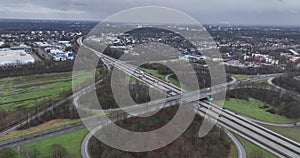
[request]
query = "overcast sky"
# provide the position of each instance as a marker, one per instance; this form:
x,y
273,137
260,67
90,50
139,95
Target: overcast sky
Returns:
x,y
254,12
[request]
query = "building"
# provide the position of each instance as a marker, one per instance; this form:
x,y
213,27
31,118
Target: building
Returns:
x,y
56,51
286,55
42,44
295,60
293,52
62,56
190,57
261,58
70,55
15,57
65,43
24,47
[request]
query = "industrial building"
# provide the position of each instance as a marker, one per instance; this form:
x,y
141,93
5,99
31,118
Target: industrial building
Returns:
x,y
14,57
24,47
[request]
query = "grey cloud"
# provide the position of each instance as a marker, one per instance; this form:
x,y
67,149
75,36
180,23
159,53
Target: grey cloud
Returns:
x,y
206,11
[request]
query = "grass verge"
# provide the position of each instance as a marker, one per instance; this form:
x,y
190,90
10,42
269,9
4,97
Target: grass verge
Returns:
x,y
70,141
160,76
290,132
39,128
254,151
233,151
256,110
243,77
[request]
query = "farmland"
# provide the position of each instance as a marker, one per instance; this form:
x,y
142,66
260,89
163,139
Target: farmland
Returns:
x,y
29,91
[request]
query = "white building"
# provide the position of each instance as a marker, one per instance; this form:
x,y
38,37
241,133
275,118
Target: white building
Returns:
x,y
24,47
15,57
42,44
56,51
196,57
65,43
293,52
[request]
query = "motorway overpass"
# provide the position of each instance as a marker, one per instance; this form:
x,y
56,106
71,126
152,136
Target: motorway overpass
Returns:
x,y
267,139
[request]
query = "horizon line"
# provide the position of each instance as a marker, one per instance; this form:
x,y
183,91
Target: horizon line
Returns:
x,y
98,21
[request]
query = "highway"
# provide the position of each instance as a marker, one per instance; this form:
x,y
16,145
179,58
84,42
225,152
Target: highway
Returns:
x,y
295,124
267,139
107,59
240,148
11,143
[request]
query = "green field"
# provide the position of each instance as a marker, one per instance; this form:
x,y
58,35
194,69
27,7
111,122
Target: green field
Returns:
x,y
160,76
28,91
290,132
70,141
131,79
253,108
243,77
254,151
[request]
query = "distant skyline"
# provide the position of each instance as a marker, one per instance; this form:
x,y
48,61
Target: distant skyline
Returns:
x,y
238,12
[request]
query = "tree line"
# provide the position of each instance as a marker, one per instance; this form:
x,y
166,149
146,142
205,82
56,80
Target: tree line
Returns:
x,y
36,68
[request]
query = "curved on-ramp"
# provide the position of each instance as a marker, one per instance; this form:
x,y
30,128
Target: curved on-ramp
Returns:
x,y
84,150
